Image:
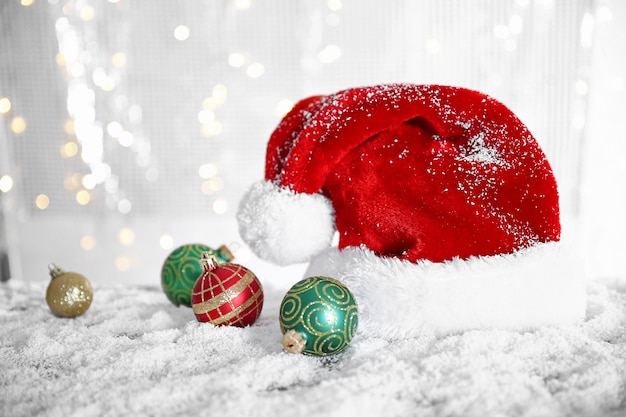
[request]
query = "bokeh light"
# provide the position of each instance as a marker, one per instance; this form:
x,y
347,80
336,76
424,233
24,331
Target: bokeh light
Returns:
x,y
124,206
5,105
220,206
42,201
432,46
236,59
87,12
89,181
68,127
220,92
283,107
72,182
122,263
6,183
181,32
83,197
118,59
207,170
334,5
126,236
243,4
166,241
18,125
255,70
329,54
87,242
69,149
212,129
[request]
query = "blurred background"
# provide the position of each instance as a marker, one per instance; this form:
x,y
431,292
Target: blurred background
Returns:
x,y
129,128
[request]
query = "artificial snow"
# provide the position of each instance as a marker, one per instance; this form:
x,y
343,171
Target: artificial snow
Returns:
x,y
135,353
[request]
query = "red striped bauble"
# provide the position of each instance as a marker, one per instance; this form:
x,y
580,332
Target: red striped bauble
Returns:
x,y
226,294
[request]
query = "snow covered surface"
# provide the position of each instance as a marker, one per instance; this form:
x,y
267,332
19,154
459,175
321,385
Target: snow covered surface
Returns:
x,y
134,353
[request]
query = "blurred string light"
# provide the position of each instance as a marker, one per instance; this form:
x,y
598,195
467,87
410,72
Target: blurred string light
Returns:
x,y
88,242
166,241
99,112
334,5
126,236
602,15
5,105
69,149
80,103
255,70
18,125
212,183
122,263
83,197
236,60
6,183
283,107
243,4
329,54
333,19
95,73
220,206
208,170
182,32
586,30
124,206
432,46
42,201
206,116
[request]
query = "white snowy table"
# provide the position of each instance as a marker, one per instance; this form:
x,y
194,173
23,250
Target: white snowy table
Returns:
x,y
134,353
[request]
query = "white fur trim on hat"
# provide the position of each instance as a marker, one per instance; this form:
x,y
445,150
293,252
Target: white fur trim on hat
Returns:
x,y
541,285
284,227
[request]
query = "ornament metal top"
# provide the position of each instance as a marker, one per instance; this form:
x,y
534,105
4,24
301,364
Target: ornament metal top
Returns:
x,y
69,294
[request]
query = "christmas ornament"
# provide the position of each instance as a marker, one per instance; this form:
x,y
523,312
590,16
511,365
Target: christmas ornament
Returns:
x,y
318,316
181,270
226,294
69,294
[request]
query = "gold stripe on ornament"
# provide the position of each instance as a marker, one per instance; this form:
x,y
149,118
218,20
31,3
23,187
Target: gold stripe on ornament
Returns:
x,y
235,312
224,297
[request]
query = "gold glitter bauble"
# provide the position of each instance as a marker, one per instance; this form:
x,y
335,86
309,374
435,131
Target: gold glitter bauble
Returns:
x,y
69,294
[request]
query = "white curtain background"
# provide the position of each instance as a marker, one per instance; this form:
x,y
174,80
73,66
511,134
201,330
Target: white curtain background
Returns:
x,y
128,128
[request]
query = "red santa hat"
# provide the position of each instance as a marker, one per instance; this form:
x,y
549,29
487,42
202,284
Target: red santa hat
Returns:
x,y
446,209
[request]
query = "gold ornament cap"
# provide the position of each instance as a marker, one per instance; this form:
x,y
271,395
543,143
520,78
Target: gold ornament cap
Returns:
x,y
293,342
69,294
209,262
226,253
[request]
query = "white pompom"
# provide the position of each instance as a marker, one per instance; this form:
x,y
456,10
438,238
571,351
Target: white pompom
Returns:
x,y
284,227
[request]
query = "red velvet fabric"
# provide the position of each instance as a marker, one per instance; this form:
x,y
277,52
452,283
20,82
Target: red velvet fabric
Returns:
x,y
419,171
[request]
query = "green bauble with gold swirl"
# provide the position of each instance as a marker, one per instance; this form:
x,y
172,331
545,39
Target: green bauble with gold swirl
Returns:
x,y
318,316
182,268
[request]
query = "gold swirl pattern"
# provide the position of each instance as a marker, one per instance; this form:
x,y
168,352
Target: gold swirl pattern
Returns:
x,y
180,271
323,311
290,308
